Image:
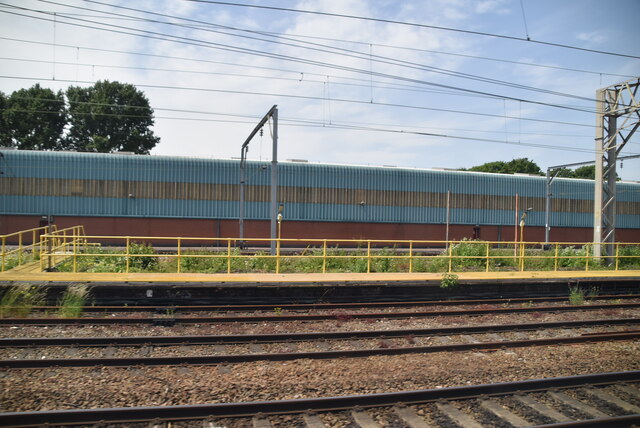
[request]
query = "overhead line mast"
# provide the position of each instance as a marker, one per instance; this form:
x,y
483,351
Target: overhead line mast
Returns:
x,y
619,101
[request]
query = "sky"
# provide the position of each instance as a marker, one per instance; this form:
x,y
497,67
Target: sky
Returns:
x,y
424,84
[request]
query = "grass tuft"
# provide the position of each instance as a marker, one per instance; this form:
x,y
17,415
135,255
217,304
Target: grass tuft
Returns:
x,y
73,301
18,300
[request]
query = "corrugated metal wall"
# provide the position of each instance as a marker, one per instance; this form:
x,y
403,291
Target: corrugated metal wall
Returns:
x,y
90,184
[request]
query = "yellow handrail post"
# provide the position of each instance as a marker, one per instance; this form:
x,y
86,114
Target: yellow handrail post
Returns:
x,y
487,269
586,256
278,255
49,251
127,255
411,257
228,255
75,256
555,259
33,243
368,256
324,256
617,255
450,244
179,254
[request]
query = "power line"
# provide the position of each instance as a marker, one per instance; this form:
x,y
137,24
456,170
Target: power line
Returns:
x,y
414,24
318,124
323,48
191,41
309,97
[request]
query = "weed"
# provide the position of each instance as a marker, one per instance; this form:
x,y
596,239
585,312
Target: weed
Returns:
x,y
449,280
17,301
576,295
73,301
527,304
278,311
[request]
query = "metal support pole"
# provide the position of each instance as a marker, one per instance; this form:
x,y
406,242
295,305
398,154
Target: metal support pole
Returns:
x,y
274,176
547,208
274,180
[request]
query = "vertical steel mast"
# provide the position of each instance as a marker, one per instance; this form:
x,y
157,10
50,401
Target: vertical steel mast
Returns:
x,y
617,118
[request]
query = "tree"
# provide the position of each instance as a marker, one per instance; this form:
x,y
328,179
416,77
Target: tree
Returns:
x,y
110,117
563,172
33,119
516,166
5,138
588,172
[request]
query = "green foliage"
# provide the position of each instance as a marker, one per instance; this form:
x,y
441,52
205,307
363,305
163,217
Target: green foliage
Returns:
x,y
449,280
468,254
73,301
629,257
562,172
520,166
33,119
17,301
588,172
576,295
110,117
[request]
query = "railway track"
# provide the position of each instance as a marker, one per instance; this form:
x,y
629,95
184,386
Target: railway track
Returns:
x,y
214,349
167,319
600,400
328,306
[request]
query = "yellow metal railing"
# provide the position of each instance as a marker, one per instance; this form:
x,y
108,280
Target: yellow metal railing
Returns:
x,y
60,245
23,246
74,252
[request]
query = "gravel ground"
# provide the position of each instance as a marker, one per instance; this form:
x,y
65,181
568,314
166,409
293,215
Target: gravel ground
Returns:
x,y
67,388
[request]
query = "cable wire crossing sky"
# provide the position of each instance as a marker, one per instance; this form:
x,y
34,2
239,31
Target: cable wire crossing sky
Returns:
x,y
418,84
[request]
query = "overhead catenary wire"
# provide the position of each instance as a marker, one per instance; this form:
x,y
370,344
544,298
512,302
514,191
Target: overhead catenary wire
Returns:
x,y
325,48
309,97
414,24
191,41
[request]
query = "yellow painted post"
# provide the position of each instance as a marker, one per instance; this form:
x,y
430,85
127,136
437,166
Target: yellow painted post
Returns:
x,y
324,256
278,255
410,256
450,244
33,243
617,254
179,254
75,257
228,255
127,256
586,256
368,256
487,270
555,259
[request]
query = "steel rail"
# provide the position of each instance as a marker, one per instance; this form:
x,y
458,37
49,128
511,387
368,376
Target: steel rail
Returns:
x,y
323,306
307,317
276,407
12,342
243,358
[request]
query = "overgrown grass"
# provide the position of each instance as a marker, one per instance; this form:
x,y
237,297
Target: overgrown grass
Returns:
x,y
18,300
74,299
466,255
576,295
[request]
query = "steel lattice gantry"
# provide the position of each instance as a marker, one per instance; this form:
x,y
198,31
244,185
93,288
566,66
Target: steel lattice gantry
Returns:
x,y
617,118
